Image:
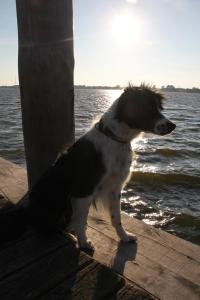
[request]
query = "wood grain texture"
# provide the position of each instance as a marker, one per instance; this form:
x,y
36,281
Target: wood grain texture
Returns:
x,y
42,275
13,181
29,248
151,263
46,65
165,266
96,283
92,282
129,292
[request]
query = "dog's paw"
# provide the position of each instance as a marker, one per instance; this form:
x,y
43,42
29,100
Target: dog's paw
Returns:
x,y
87,247
129,237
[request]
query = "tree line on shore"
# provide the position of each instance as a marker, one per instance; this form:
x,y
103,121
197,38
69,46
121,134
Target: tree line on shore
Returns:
x,y
167,88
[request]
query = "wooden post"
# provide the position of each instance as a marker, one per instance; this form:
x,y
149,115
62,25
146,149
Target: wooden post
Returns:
x,y
46,64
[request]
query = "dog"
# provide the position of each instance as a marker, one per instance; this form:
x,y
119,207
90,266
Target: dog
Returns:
x,y
97,166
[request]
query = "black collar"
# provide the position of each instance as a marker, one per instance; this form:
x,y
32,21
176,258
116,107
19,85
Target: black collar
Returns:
x,y
105,130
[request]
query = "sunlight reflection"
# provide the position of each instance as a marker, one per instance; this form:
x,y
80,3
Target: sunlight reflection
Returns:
x,y
148,169
113,95
139,143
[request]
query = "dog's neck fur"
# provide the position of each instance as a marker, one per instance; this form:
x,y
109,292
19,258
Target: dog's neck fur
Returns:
x,y
120,129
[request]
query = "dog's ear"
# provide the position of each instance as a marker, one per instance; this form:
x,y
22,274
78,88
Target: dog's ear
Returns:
x,y
120,107
126,107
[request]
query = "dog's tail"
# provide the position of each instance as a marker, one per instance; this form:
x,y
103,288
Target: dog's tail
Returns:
x,y
14,220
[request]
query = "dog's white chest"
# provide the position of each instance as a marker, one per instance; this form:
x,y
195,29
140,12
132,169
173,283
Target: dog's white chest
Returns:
x,y
117,160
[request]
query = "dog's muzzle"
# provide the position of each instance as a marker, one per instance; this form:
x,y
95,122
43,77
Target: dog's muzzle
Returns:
x,y
164,126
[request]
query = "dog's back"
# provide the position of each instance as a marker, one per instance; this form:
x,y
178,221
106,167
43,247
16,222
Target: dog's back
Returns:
x,y
74,174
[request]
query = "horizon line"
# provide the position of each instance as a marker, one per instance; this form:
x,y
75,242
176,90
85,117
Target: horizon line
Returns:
x,y
84,86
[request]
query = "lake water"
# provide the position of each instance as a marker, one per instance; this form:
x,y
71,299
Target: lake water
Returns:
x,y
164,189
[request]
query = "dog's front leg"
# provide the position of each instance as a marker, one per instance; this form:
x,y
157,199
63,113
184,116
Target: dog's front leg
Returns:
x,y
115,213
80,207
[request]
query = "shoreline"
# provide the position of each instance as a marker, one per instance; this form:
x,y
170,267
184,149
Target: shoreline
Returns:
x,y
117,87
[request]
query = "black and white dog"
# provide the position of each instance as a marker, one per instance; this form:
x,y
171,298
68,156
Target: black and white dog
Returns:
x,y
97,165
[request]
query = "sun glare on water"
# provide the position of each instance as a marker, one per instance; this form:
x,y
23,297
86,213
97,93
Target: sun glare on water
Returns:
x,y
127,29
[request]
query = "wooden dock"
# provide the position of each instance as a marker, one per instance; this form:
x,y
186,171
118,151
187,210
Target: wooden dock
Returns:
x,y
53,268
159,266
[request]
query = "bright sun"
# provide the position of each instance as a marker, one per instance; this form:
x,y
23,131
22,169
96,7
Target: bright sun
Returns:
x,y
127,29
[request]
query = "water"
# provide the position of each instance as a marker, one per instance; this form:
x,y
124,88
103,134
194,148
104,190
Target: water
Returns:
x,y
164,189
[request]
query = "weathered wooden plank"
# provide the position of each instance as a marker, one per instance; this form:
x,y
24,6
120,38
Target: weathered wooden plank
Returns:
x,y
161,263
173,253
129,292
13,180
160,246
29,248
61,292
138,263
40,276
63,289
97,283
160,236
92,282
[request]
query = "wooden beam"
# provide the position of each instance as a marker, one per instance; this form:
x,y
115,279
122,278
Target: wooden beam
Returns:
x,y
46,65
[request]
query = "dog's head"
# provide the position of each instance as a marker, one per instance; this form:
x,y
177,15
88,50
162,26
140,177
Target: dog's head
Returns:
x,y
140,108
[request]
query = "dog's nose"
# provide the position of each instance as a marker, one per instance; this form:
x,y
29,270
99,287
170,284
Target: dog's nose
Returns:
x,y
170,126
164,127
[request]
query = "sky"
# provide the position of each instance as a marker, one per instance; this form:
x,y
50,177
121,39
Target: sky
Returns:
x,y
118,41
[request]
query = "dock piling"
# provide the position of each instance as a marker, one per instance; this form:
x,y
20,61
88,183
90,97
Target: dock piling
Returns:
x,y
46,64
